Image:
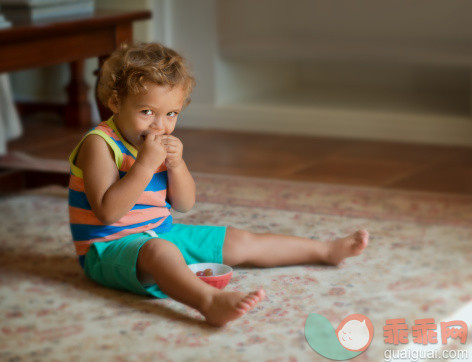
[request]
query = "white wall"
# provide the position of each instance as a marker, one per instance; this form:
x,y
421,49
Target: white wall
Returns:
x,y
420,19
193,31
366,69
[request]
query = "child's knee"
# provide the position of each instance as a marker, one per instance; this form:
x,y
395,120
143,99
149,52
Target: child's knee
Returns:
x,y
237,246
238,237
153,250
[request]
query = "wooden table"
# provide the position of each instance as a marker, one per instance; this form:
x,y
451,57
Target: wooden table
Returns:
x,y
70,40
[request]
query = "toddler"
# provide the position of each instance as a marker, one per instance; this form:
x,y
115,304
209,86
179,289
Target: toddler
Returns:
x,y
128,172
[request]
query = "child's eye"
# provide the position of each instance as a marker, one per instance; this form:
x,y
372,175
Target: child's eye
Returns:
x,y
147,112
172,114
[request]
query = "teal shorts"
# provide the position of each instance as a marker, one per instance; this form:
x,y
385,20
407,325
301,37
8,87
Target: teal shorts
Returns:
x,y
113,263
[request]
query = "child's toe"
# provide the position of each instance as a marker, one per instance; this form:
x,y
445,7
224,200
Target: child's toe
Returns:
x,y
243,306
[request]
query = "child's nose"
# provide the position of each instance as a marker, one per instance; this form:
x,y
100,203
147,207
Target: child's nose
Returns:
x,y
158,124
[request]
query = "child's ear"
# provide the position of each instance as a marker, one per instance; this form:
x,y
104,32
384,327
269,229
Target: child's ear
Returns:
x,y
114,103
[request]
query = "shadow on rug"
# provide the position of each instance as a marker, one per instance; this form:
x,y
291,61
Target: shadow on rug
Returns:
x,y
416,266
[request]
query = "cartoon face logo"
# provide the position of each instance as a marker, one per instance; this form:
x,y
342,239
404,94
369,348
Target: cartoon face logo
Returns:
x,y
354,335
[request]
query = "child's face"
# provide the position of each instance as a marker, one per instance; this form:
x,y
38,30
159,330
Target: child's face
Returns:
x,y
153,112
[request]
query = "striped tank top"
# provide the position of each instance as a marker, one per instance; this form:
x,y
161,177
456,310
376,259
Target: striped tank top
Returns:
x,y
151,211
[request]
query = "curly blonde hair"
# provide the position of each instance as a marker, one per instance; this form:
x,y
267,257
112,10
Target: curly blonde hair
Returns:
x,y
129,69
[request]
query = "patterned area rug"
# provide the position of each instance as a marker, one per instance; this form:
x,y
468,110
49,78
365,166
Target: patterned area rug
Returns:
x,y
416,266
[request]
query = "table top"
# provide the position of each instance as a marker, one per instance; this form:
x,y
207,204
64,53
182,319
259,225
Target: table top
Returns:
x,y
64,25
68,39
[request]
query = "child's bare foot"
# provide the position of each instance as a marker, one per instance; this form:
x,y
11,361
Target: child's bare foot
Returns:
x,y
346,247
224,307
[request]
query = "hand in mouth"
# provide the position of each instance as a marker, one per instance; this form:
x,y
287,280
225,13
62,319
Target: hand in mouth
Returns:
x,y
143,135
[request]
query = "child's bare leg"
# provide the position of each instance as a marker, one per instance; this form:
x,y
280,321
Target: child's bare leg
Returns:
x,y
161,261
269,250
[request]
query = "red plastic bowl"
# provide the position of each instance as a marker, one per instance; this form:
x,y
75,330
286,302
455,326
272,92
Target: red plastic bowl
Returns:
x,y
221,273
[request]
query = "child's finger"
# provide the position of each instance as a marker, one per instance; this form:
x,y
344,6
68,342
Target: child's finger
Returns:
x,y
173,151
169,141
153,136
172,147
173,154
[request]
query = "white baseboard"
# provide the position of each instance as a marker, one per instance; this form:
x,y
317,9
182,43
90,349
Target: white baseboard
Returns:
x,y
372,125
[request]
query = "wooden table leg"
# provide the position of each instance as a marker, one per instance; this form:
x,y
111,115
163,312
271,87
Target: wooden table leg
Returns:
x,y
104,112
77,111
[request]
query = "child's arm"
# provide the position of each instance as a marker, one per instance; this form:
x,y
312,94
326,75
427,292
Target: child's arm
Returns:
x,y
109,196
181,186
